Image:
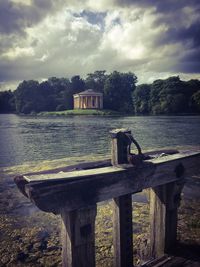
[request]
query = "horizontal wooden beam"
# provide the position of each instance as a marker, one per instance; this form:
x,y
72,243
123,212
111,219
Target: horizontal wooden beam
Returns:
x,y
78,189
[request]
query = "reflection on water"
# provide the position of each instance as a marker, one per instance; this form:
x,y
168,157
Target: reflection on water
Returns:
x,y
27,139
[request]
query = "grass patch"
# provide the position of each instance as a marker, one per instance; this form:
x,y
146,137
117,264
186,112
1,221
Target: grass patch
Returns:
x,y
99,112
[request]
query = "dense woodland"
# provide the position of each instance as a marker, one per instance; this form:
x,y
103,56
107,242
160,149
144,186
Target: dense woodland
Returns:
x,y
169,96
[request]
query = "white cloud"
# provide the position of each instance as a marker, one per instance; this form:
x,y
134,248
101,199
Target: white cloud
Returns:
x,y
19,52
66,43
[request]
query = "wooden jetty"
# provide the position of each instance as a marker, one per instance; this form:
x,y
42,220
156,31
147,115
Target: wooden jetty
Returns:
x,y
74,192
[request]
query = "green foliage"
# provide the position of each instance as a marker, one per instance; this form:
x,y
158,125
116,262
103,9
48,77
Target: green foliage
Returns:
x,y
141,97
96,80
196,100
77,84
118,90
27,98
7,102
53,94
169,96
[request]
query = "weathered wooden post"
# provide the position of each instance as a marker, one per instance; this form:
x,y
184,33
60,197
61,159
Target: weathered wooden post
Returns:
x,y
164,202
78,237
122,206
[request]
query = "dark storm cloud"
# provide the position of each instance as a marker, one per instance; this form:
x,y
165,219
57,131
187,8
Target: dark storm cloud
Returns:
x,y
10,70
189,35
181,27
165,6
15,17
189,62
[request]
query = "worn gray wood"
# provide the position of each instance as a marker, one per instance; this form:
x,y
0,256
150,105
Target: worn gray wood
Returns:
x,y
119,146
71,191
122,231
78,237
122,207
164,202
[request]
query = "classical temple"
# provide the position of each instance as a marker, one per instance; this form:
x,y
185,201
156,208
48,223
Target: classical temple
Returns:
x,y
88,99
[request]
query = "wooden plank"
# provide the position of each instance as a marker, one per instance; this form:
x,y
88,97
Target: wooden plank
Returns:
x,y
78,166
50,196
74,175
157,262
168,161
78,237
73,192
101,163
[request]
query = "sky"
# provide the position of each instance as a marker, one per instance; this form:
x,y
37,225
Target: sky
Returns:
x,y
154,39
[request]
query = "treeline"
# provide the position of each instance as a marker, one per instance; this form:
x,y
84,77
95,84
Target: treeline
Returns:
x,y
56,94
169,96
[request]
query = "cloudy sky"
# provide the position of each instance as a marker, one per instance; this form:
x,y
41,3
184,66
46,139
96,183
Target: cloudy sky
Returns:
x,y
45,38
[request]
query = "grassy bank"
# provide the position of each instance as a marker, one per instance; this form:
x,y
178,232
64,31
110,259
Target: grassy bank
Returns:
x,y
99,112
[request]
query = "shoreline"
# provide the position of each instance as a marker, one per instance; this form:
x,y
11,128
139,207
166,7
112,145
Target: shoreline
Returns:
x,y
93,112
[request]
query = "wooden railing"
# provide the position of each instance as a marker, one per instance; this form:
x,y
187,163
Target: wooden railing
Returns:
x,y
75,192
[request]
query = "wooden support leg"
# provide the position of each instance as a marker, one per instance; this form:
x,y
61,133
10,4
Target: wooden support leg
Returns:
x,y
78,234
122,227
164,202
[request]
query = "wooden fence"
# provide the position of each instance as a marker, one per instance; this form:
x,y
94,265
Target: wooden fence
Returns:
x,y
75,192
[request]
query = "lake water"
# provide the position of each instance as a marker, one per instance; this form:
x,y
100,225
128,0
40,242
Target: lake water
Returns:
x,y
27,138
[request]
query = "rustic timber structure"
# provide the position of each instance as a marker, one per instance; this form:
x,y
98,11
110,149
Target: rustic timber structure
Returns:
x,y
66,193
88,99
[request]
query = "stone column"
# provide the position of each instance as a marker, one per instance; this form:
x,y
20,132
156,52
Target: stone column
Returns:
x,y
79,102
86,101
92,98
96,102
101,102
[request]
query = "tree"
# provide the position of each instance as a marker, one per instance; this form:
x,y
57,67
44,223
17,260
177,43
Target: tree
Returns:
x,y
170,96
173,104
154,102
28,98
96,80
196,101
118,90
77,84
141,97
7,102
61,94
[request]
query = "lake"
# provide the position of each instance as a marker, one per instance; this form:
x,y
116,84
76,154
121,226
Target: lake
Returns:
x,y
27,138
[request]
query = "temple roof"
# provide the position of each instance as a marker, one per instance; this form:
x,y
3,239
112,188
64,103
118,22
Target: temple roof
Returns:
x,y
90,92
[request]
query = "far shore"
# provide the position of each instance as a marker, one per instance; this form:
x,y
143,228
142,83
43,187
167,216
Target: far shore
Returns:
x,y
94,112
